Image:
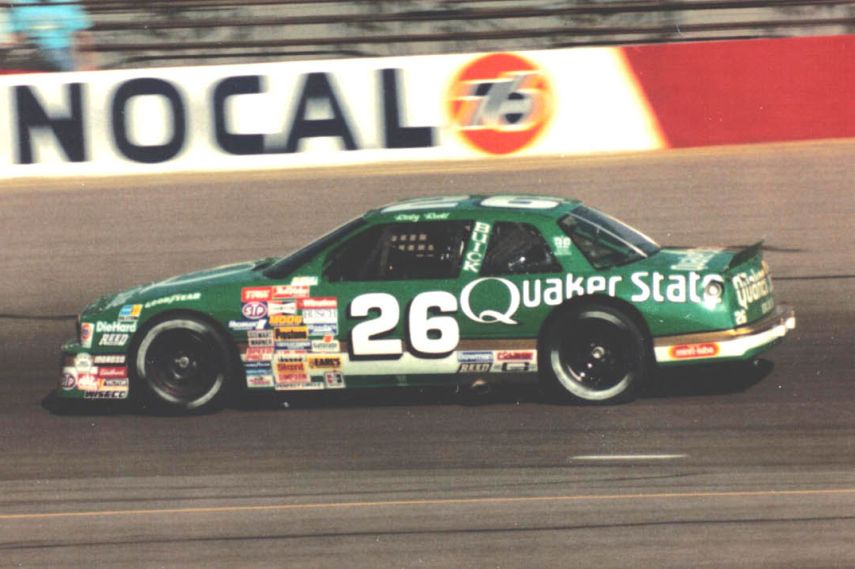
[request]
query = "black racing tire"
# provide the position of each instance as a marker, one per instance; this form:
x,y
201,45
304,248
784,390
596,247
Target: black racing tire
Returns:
x,y
594,354
182,365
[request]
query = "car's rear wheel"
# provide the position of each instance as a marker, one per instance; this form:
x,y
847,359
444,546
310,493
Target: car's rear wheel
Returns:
x,y
183,365
594,354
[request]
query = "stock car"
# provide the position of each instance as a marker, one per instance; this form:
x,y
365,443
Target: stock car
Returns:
x,y
430,291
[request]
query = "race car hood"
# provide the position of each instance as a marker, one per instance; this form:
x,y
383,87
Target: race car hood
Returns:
x,y
182,285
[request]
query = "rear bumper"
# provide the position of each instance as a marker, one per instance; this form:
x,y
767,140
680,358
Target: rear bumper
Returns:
x,y
740,343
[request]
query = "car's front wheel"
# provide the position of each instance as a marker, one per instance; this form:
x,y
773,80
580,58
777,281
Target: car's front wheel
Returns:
x,y
594,353
182,365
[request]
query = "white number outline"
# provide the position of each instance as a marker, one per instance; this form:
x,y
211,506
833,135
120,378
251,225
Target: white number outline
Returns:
x,y
420,323
362,341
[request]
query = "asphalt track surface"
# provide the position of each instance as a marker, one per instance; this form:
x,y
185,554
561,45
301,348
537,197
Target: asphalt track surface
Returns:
x,y
723,467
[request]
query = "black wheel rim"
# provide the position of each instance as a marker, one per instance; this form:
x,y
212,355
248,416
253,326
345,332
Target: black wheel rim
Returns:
x,y
182,365
596,354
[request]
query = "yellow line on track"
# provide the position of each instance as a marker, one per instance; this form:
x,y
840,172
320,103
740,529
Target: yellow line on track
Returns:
x,y
433,502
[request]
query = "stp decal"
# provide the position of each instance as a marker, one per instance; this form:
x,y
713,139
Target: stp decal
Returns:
x,y
500,103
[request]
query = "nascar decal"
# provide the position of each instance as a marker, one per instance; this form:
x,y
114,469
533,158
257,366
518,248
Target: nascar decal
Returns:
x,y
500,103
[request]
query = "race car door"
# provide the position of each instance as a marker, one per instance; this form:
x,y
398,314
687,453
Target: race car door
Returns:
x,y
395,286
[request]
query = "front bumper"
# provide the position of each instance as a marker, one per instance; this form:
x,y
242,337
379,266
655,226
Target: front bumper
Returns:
x,y
740,343
88,376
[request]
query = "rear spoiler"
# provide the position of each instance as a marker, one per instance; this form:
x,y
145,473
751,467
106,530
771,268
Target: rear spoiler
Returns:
x,y
745,254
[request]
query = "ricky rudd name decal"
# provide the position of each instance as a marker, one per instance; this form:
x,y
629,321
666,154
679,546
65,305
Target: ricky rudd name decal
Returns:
x,y
647,286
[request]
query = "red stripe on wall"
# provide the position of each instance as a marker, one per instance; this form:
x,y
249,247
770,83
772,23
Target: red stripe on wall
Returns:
x,y
751,90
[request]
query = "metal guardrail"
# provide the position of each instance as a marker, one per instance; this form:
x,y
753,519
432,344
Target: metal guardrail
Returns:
x,y
152,32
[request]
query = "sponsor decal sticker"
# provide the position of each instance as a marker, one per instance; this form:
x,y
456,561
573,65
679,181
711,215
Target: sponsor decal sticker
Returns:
x,y
246,325
695,260
295,345
109,359
116,327
87,330
532,293
323,329
334,380
260,338
321,302
500,103
290,333
114,340
326,345
87,381
514,367
285,320
290,291
562,245
83,363
289,367
475,357
257,367
516,355
259,381
130,312
260,354
689,351
114,384
287,307
304,281
324,362
320,316
254,310
255,294
68,380
172,299
751,287
113,372
477,245
474,368
105,395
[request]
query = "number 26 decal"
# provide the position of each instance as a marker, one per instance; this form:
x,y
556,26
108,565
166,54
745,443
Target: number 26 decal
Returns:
x,y
428,334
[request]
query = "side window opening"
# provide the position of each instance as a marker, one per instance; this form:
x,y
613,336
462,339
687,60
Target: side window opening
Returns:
x,y
401,251
518,249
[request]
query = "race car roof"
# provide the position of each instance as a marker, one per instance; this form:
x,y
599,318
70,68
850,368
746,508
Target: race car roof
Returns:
x,y
539,205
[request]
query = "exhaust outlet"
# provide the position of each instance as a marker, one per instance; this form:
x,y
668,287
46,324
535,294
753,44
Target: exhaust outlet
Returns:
x,y
480,387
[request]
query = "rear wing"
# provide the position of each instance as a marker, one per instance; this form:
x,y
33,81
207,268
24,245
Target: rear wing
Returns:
x,y
745,254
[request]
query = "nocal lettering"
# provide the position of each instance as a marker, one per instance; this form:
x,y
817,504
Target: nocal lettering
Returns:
x,y
67,129
317,90
155,153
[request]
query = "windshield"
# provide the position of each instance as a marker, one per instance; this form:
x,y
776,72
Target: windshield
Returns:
x,y
289,264
605,241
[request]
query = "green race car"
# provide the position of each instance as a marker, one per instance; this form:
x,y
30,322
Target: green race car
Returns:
x,y
432,290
